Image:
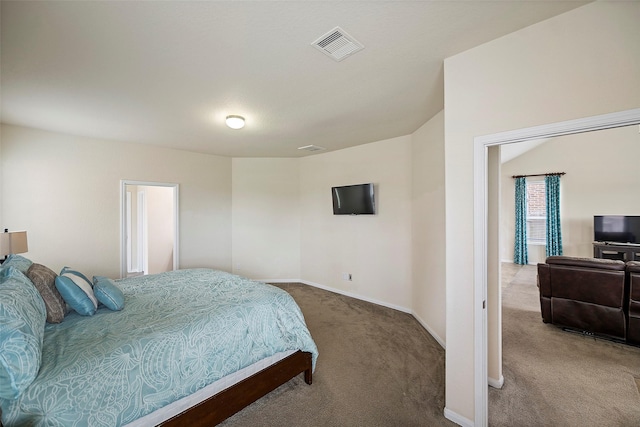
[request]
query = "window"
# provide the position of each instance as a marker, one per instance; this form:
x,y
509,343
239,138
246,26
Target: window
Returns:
x,y
536,213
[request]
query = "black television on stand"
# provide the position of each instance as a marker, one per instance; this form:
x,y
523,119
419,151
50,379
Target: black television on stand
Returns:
x,y
353,199
616,229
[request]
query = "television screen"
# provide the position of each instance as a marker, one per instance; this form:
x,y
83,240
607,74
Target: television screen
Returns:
x,y
353,200
616,228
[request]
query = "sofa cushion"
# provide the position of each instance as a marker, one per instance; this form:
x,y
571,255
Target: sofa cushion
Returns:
x,y
596,286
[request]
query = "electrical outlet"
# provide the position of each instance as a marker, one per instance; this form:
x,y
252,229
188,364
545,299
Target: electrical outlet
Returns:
x,y
346,276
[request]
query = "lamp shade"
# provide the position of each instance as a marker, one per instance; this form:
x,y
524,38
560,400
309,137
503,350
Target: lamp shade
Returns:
x,y
14,242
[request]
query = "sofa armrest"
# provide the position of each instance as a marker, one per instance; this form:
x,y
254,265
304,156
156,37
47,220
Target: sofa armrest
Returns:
x,y
633,308
544,287
544,280
633,267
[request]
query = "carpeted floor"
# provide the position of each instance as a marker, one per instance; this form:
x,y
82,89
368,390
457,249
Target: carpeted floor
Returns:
x,y
377,367
558,378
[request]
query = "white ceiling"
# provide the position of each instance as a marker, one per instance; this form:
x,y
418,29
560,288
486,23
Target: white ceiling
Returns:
x,y
509,152
167,73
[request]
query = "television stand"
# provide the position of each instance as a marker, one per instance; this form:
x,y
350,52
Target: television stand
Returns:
x,y
620,251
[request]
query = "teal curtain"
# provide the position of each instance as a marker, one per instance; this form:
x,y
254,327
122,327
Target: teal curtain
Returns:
x,y
554,232
520,255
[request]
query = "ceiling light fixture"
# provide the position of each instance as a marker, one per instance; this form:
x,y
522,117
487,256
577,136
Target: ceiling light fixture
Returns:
x,y
235,122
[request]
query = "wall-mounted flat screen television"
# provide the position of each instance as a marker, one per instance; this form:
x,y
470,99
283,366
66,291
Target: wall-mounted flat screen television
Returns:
x,y
353,200
616,228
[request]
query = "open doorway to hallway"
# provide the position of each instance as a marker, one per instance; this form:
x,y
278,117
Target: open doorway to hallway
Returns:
x,y
150,226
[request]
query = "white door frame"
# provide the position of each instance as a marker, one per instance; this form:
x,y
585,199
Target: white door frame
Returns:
x,y
123,216
480,203
142,242
128,230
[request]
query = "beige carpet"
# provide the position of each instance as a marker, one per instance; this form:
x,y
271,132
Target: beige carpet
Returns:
x,y
377,367
559,378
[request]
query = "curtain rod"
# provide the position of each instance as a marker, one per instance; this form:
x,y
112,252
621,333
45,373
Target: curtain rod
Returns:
x,y
540,174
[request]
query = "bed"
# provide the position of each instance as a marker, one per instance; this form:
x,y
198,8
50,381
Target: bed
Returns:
x,y
191,347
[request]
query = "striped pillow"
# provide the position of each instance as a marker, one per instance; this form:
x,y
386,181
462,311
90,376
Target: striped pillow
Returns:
x,y
76,291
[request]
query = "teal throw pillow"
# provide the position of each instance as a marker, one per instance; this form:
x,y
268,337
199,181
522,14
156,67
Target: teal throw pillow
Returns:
x,y
77,292
22,320
108,293
17,261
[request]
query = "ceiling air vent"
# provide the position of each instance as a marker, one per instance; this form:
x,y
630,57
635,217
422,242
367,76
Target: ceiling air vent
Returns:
x,y
311,148
337,44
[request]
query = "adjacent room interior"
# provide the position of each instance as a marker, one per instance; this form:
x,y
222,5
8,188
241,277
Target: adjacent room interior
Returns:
x,y
585,193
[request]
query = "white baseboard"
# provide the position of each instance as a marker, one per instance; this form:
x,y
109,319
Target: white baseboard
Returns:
x,y
431,332
278,280
356,296
510,261
496,383
457,418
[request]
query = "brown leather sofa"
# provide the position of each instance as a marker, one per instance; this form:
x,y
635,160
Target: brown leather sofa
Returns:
x,y
633,326
588,294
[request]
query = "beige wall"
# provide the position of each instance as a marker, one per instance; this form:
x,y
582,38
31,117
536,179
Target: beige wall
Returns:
x,y
65,191
428,223
266,218
375,249
602,179
582,63
2,227
2,222
282,228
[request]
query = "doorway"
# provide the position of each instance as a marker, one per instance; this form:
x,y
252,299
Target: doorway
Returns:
x,y
149,225
486,259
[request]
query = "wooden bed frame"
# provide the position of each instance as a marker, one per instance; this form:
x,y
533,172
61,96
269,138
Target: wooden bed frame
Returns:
x,y
221,406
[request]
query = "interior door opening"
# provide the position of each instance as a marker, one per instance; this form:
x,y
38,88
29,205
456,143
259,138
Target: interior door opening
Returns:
x,y
149,228
486,234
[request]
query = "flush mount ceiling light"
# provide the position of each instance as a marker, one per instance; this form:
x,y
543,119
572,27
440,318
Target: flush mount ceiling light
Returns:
x,y
312,148
235,122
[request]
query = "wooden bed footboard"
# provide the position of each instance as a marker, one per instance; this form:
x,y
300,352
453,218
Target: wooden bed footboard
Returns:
x,y
221,406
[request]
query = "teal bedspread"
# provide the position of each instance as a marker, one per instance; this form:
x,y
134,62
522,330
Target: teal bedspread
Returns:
x,y
179,331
